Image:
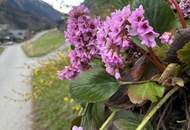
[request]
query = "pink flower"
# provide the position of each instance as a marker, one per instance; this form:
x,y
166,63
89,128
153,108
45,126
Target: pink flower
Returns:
x,y
108,40
115,37
148,38
144,27
112,39
137,15
141,28
167,38
68,73
77,128
81,33
185,7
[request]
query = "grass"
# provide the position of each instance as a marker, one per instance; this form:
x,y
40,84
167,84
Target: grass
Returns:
x,y
1,49
53,107
45,44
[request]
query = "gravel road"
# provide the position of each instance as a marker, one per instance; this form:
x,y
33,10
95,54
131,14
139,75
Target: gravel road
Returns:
x,y
15,112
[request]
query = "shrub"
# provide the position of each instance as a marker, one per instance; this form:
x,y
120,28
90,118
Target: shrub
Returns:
x,y
54,109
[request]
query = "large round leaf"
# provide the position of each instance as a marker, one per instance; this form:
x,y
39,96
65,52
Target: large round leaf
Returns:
x,y
159,14
147,91
93,86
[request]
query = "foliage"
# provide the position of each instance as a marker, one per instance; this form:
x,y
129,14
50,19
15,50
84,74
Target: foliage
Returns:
x,y
93,86
184,54
54,109
44,45
129,76
97,9
161,51
127,120
147,91
94,116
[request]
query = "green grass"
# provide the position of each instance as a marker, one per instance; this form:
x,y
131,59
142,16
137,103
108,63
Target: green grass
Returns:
x,y
45,44
52,106
1,49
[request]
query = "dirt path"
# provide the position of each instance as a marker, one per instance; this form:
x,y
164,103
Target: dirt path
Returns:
x,y
15,113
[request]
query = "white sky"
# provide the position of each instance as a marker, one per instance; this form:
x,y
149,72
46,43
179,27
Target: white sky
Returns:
x,y
64,6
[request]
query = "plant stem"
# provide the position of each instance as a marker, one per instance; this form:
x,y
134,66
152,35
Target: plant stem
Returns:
x,y
180,14
156,108
172,70
152,57
130,2
130,83
157,61
107,122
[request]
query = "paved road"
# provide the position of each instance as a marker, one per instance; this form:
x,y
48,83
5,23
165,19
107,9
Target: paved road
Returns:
x,y
15,113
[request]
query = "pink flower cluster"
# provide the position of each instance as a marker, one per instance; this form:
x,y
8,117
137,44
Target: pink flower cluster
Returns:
x,y
115,36
141,28
81,33
185,7
92,38
167,38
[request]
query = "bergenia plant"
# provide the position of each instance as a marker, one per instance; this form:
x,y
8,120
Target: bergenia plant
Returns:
x,y
126,67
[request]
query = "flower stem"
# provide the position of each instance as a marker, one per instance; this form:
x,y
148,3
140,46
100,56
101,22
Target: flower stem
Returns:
x,y
153,58
108,121
156,60
156,108
180,14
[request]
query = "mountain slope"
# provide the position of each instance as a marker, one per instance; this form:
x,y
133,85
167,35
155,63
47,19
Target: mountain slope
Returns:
x,y
32,14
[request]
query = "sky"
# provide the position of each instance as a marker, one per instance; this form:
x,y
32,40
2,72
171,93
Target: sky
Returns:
x,y
64,6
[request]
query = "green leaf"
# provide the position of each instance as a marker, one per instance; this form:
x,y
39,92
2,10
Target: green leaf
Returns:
x,y
120,100
159,14
76,121
188,22
128,120
95,115
184,54
93,86
161,51
121,3
148,91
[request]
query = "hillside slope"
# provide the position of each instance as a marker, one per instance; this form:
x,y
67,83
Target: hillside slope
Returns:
x,y
32,14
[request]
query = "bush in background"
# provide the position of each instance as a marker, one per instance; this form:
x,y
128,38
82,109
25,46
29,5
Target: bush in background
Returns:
x,y
53,107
